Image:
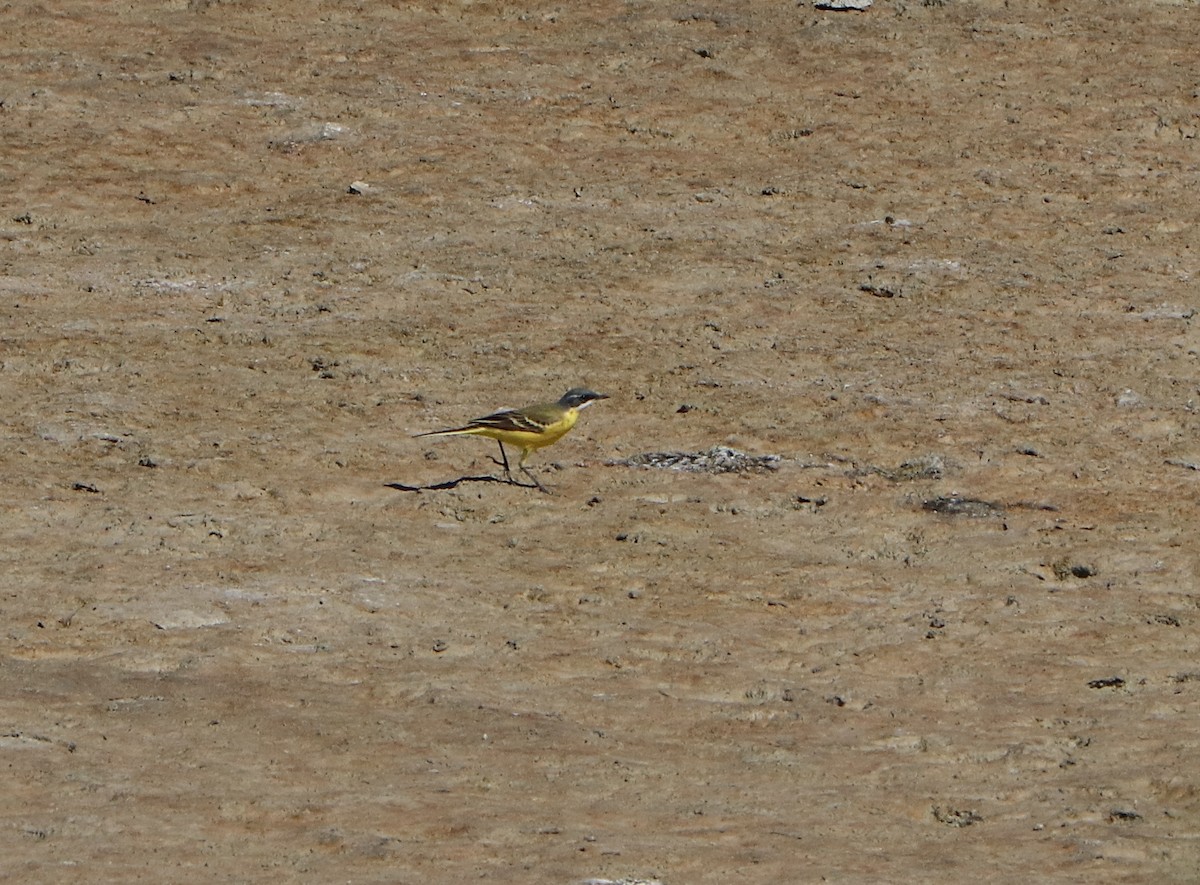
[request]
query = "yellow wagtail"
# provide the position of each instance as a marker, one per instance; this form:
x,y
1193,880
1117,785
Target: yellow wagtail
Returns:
x,y
529,428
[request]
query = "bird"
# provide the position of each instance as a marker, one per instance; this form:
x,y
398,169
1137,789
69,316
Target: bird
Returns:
x,y
528,428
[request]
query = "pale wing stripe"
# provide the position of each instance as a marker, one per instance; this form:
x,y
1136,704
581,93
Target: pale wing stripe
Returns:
x,y
513,420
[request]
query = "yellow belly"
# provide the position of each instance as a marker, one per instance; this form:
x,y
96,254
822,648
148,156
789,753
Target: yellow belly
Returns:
x,y
528,439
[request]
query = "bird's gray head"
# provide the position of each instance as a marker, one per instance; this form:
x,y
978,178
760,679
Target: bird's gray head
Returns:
x,y
578,397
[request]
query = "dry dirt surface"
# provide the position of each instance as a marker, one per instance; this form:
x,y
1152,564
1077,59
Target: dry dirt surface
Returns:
x,y
906,298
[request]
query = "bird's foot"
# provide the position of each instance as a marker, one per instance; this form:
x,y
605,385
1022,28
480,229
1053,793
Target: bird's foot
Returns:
x,y
536,484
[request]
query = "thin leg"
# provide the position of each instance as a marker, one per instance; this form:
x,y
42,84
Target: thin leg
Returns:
x,y
521,466
541,488
504,455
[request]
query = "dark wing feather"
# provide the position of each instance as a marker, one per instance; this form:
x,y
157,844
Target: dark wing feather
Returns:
x,y
518,420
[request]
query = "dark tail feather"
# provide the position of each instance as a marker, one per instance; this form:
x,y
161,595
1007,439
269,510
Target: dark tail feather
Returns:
x,y
442,432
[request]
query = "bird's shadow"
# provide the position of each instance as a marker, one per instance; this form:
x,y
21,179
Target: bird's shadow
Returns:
x,y
455,483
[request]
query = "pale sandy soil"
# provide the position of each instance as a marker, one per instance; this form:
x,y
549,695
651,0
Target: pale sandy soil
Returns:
x,y
958,237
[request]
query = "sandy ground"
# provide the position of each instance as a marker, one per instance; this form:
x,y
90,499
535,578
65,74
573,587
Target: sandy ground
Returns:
x,y
940,259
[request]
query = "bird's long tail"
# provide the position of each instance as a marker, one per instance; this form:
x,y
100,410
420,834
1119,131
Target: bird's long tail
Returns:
x,y
451,432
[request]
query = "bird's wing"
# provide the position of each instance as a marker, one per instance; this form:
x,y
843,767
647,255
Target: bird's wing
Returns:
x,y
531,420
